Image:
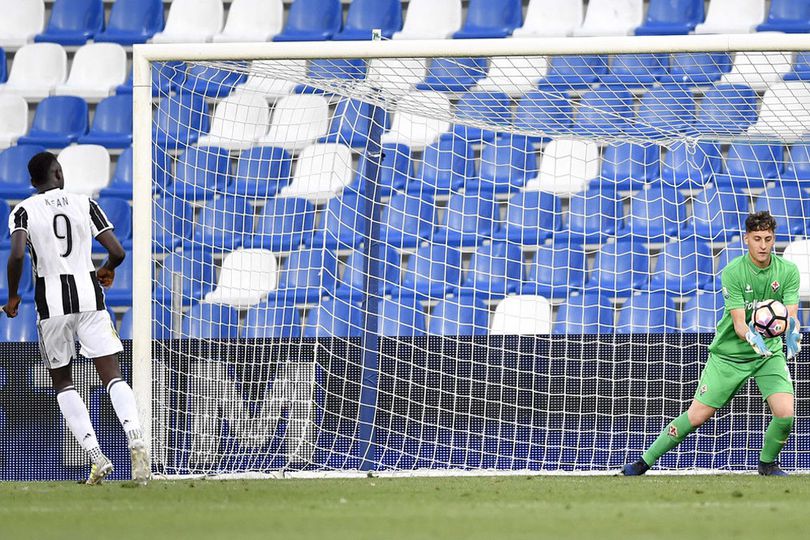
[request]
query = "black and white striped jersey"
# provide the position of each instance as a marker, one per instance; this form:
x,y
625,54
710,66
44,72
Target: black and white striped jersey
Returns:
x,y
61,227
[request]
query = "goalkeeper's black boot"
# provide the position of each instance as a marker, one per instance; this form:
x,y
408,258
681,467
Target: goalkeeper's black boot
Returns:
x,y
770,469
635,469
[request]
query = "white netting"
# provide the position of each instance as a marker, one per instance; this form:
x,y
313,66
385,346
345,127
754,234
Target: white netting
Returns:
x,y
506,262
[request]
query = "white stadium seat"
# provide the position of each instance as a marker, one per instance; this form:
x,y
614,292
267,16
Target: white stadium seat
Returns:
x,y
567,165
37,69
262,77
246,277
98,68
611,18
514,75
21,21
419,130
798,252
192,21
524,315
238,121
13,119
297,122
732,17
396,75
252,20
785,112
548,18
322,171
758,69
86,168
431,19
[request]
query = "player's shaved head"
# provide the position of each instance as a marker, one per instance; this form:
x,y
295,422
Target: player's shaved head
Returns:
x,y
760,221
41,169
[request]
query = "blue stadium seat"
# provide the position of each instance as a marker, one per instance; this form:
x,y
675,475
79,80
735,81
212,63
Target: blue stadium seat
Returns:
x,y
495,270
459,316
119,212
505,165
718,214
726,255
446,166
179,120
664,110
531,218
351,124
58,122
482,107
491,19
15,182
593,216
400,317
790,16
656,213
751,165
22,328
211,321
25,285
5,211
312,20
332,69
691,165
788,204
544,111
469,220
200,173
334,317
603,112
223,224
395,169
367,15
120,294
284,224
682,267
344,222
195,272
431,272
306,275
628,166
555,271
407,220
697,68
261,172
112,123
797,164
574,72
3,66
702,312
353,283
210,81
801,68
619,268
636,70
727,109
162,322
73,22
166,78
171,223
132,21
588,313
671,17
647,313
453,74
269,320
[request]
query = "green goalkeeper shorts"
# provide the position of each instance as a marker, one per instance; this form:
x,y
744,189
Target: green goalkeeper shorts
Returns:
x,y
722,379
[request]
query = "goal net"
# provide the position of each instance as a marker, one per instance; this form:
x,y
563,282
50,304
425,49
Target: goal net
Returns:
x,y
443,256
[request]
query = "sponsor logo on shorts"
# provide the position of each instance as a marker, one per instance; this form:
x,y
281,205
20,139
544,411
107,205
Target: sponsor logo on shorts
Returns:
x,y
775,286
703,389
673,431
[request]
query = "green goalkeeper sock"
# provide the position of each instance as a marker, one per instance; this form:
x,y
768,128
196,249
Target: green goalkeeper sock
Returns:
x,y
775,438
672,435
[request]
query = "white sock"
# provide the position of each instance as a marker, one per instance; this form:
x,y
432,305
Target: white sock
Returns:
x,y
78,420
123,401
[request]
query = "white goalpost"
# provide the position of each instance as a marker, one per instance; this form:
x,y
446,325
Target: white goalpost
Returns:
x,y
455,256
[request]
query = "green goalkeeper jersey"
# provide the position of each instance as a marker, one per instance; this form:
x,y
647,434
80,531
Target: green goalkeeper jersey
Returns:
x,y
745,284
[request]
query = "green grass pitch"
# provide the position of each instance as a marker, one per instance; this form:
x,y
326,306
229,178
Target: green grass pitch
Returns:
x,y
514,507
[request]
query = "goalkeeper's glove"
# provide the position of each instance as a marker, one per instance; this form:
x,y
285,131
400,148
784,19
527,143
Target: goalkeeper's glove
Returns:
x,y
793,340
754,339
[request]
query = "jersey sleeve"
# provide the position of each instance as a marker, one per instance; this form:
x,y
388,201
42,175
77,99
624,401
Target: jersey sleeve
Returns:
x,y
790,296
98,219
732,290
18,220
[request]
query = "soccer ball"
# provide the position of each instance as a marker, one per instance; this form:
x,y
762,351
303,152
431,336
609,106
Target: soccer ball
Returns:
x,y
770,318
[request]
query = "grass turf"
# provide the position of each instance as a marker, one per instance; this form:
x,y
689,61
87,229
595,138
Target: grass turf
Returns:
x,y
413,508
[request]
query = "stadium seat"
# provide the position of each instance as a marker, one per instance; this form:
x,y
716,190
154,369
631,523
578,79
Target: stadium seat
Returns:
x,y
173,223
5,211
306,275
656,213
731,251
495,270
727,110
799,68
469,220
191,273
264,78
312,20
246,277
212,82
521,315
25,286
73,22
446,166
491,19
297,122
331,71
166,78
180,120
22,328
459,316
718,214
351,124
210,321
268,320
671,17
367,15
395,76
566,166
13,119
790,16
751,165
611,18
798,252
589,313
120,294
797,164
321,173
628,166
784,113
354,283
691,165
112,123
97,70
433,271
648,313
555,271
407,220
593,216
636,70
400,317
239,120
37,69
619,268
395,168
549,18
58,122
284,224
192,21
3,66
759,70
261,172
682,267
664,110
21,21
201,173
696,68
419,129
252,20
343,223
121,183
334,317
732,17
531,218
86,168
574,72
15,182
132,21
513,75
431,19
505,165
490,108
547,112
788,204
453,74
223,224
606,111
702,312
119,212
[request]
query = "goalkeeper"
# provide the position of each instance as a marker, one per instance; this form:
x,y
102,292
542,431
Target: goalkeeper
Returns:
x,y
739,352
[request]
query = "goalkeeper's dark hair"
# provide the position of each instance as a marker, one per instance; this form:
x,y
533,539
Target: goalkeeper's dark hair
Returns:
x,y
760,221
39,166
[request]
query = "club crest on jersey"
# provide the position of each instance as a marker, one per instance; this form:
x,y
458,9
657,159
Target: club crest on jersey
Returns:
x,y
673,431
775,286
703,389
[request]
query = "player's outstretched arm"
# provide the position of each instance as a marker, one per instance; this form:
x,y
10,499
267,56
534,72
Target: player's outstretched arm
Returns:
x,y
793,337
115,256
19,239
747,332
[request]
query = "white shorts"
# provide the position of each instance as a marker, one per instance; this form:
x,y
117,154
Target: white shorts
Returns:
x,y
94,331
